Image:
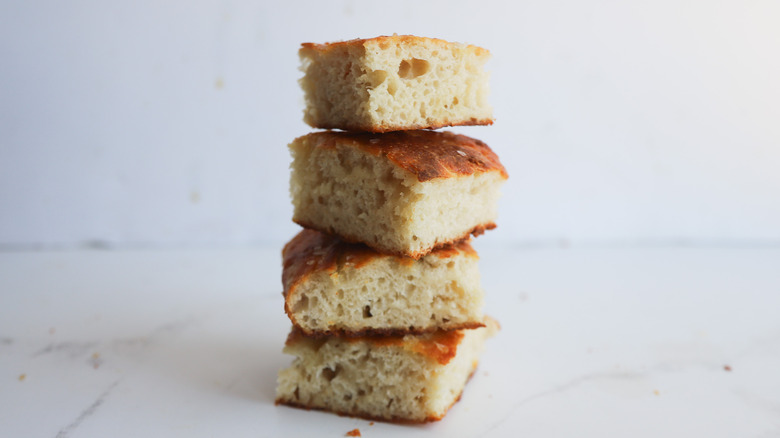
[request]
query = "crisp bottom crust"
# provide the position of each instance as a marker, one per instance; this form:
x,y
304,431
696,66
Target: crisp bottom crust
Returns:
x,y
379,331
397,420
382,128
476,231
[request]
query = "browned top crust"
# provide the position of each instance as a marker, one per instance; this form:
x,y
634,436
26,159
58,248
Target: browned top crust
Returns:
x,y
441,346
311,251
426,154
387,42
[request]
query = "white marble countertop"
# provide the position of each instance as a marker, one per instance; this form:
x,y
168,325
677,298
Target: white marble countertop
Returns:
x,y
595,342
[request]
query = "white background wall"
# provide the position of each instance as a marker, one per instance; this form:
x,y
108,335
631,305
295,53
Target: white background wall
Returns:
x,y
165,123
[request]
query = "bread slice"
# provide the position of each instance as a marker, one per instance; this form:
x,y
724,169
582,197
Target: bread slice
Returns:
x,y
333,287
415,378
394,83
402,192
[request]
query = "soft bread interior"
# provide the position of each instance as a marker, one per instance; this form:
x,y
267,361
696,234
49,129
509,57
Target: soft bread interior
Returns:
x,y
390,381
387,84
362,197
390,294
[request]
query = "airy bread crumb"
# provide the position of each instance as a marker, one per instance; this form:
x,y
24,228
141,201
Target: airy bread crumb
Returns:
x,y
415,378
333,287
394,83
403,192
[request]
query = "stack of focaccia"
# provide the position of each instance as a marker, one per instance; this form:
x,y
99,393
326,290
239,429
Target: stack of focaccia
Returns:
x,y
382,286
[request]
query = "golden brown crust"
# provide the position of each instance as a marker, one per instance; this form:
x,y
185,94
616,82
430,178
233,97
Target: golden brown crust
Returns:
x,y
416,255
440,346
387,41
427,155
310,251
371,332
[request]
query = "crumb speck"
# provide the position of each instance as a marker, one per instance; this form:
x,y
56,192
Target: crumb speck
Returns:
x,y
657,392
219,84
727,367
22,377
371,423
52,330
194,197
95,360
354,432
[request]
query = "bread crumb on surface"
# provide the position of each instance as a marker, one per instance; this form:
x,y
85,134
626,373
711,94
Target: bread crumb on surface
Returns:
x,y
727,367
95,360
354,432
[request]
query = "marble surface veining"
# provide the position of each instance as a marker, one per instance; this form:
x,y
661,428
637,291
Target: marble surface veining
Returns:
x,y
594,342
